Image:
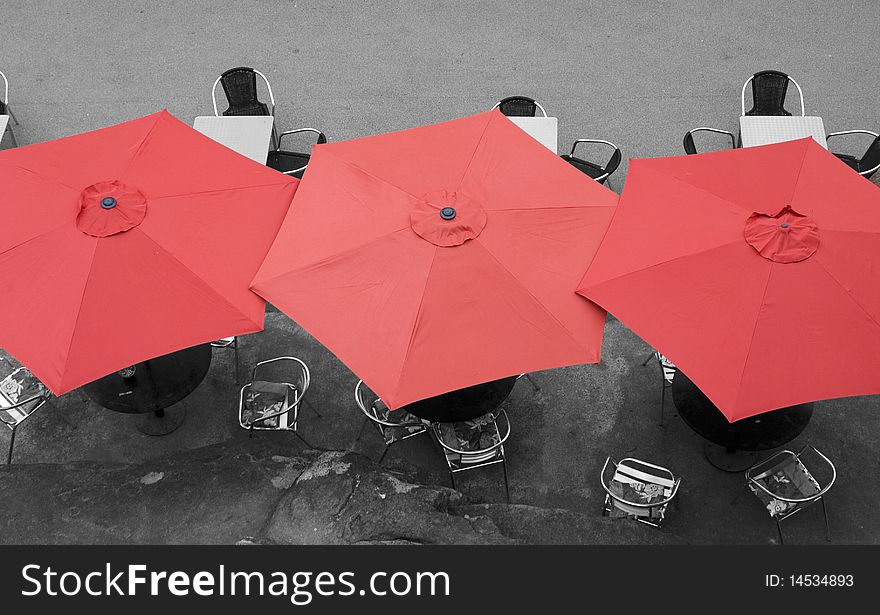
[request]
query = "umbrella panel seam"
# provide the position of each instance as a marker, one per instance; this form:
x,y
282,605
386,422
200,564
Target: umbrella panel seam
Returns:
x,y
847,293
626,274
536,300
82,299
418,312
213,290
330,257
140,147
480,140
354,165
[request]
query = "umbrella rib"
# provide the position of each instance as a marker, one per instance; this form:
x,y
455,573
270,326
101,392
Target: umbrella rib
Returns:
x,y
82,299
141,145
332,256
412,333
550,207
476,149
752,337
848,294
353,165
221,190
34,238
797,179
220,296
667,261
538,301
48,180
700,188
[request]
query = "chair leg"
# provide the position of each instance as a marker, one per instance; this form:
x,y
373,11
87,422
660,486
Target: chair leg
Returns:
x,y
309,404
662,399
648,360
361,430
779,531
827,527
452,478
11,115
12,136
533,383
506,484
237,368
303,440
384,452
11,443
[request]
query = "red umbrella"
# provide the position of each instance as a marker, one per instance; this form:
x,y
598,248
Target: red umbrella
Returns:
x,y
130,242
756,271
440,257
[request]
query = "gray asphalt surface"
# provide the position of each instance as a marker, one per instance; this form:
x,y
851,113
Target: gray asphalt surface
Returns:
x,y
637,73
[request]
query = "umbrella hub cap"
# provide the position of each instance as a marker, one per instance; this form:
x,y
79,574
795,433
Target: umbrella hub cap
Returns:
x,y
110,207
785,237
446,218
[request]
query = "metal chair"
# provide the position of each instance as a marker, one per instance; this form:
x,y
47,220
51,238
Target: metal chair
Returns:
x,y
230,342
240,87
531,381
870,160
5,109
21,394
599,173
292,163
688,141
768,93
273,405
638,490
786,485
468,445
668,371
519,106
393,425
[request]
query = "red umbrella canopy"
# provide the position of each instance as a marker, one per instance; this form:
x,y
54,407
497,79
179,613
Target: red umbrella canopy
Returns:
x,y
441,257
129,242
756,271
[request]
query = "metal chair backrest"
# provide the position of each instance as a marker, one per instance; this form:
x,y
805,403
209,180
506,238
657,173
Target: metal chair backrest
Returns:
x,y
21,394
292,383
296,373
292,163
870,161
787,459
688,141
768,93
519,106
368,407
631,470
597,172
240,87
476,456
4,102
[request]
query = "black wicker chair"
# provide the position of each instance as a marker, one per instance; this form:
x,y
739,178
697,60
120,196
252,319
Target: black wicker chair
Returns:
x,y
5,109
599,173
691,148
519,106
868,164
240,86
769,88
292,163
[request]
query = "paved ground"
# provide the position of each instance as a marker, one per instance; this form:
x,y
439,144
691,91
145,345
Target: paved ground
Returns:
x,y
639,74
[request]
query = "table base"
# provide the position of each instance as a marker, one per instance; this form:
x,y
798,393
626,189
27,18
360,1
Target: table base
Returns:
x,y
162,422
728,460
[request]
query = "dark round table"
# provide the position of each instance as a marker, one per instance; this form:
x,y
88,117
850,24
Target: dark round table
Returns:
x,y
733,447
463,404
152,386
